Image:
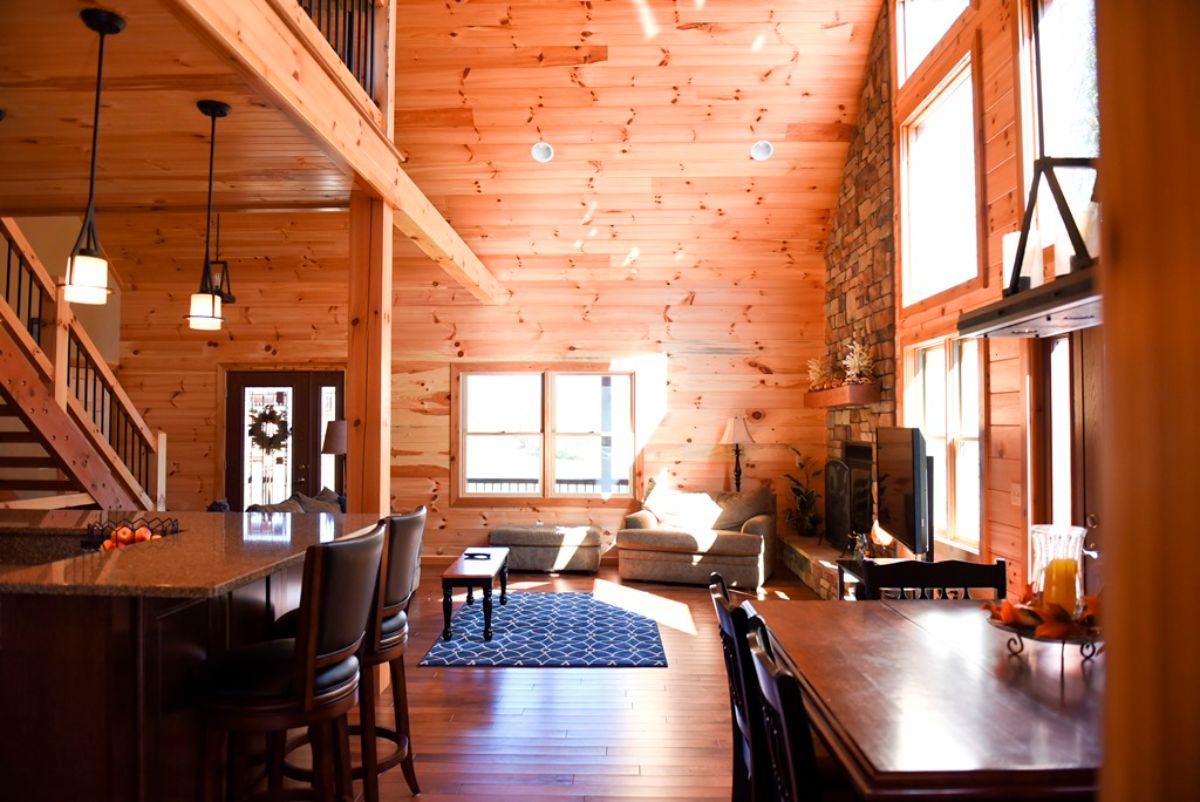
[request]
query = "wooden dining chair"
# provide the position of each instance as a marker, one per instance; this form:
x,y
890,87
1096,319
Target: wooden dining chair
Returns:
x,y
310,680
750,759
917,579
792,757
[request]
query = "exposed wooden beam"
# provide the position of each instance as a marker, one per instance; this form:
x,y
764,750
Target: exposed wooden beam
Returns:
x,y
369,358
294,73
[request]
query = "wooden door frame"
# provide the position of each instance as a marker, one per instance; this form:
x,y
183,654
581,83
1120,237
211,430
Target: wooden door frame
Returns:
x,y
220,435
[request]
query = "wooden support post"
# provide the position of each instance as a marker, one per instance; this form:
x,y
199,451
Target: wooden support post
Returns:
x,y
385,64
56,346
1150,284
160,471
369,360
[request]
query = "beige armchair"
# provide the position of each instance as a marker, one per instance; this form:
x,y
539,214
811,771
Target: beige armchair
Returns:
x,y
687,536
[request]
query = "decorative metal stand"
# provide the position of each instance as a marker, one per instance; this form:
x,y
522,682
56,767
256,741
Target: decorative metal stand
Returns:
x,y
1088,646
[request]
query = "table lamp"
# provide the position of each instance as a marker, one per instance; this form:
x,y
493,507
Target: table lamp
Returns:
x,y
738,435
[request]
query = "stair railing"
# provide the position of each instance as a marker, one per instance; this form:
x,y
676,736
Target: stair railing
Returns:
x,y
38,316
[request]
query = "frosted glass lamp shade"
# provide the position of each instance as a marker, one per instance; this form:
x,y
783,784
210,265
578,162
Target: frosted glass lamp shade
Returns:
x,y
542,152
736,433
204,312
87,280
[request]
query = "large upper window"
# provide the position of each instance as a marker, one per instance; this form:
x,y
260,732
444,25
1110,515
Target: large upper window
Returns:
x,y
944,403
920,24
1070,121
939,227
545,434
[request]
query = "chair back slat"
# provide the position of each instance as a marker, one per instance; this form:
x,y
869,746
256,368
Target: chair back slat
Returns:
x,y
931,580
340,586
793,759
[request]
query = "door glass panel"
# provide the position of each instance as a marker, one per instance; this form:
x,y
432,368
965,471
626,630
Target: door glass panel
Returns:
x,y
968,468
267,476
328,412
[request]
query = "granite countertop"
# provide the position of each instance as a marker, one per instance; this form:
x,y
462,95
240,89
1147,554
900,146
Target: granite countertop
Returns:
x,y
213,553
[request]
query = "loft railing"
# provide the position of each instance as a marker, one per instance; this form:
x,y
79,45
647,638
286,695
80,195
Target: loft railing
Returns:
x,y
23,293
349,27
84,385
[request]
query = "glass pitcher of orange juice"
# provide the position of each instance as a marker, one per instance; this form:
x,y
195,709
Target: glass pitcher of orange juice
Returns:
x,y
1057,571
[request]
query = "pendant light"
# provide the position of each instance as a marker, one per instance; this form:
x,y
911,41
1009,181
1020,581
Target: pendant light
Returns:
x,y
220,270
204,311
87,269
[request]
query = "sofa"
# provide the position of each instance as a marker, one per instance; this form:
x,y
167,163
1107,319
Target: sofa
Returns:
x,y
683,537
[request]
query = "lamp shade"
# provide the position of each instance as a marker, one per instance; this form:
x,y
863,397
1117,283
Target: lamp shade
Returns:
x,y
87,279
335,438
736,433
204,312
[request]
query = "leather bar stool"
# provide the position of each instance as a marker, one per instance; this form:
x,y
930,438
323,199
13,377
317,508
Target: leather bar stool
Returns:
x,y
387,634
310,680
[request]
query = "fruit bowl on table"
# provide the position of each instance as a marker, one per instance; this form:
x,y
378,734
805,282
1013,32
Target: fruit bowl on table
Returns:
x,y
1032,619
119,534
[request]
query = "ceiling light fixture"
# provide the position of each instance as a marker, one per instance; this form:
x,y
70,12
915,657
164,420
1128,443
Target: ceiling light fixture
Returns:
x,y
542,152
204,311
220,270
86,281
762,150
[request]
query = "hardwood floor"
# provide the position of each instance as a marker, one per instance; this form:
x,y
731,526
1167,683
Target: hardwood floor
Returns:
x,y
575,734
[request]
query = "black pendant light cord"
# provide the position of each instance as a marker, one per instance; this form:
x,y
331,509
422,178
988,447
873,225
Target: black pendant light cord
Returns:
x,y
87,233
206,282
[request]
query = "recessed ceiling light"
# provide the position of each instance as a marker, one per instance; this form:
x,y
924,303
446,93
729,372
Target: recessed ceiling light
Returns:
x,y
542,152
761,150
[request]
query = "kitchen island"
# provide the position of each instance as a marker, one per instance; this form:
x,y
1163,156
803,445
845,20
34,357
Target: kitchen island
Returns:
x,y
97,649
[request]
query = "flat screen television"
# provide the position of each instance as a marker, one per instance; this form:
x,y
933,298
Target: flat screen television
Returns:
x,y
904,488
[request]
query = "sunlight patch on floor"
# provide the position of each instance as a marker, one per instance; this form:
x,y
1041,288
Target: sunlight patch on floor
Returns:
x,y
666,612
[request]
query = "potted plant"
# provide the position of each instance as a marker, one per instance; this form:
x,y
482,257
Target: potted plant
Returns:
x,y
803,515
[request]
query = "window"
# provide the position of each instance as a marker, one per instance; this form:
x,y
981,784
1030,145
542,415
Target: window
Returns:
x,y
553,433
1070,123
939,226
945,405
920,25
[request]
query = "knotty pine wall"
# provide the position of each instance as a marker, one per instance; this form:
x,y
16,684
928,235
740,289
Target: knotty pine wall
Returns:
x,y
708,343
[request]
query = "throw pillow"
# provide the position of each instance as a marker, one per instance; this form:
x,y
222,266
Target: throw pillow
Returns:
x,y
693,512
310,504
737,508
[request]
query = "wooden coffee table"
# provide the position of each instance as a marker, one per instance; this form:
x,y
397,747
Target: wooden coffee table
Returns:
x,y
476,572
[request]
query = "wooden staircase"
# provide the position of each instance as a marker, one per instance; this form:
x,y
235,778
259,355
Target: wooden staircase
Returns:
x,y
69,434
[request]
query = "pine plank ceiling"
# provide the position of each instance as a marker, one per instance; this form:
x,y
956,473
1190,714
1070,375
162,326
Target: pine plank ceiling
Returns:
x,y
651,105
153,151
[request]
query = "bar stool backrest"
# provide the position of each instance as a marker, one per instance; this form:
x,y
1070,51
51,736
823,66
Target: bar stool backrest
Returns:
x,y
340,587
404,558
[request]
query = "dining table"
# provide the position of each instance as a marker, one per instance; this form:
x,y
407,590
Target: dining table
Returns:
x,y
921,699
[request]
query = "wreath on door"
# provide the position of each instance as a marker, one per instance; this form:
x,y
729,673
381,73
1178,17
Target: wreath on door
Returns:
x,y
268,429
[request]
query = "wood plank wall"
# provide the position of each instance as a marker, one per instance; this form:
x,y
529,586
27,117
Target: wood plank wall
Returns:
x,y
991,28
709,343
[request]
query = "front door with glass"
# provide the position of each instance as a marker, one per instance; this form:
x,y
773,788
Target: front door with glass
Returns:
x,y
275,422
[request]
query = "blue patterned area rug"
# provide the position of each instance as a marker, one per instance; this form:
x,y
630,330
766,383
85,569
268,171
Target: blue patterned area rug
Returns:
x,y
542,629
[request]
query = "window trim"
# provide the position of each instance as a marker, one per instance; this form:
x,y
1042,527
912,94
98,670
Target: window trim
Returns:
x,y
936,53
967,61
457,476
915,404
